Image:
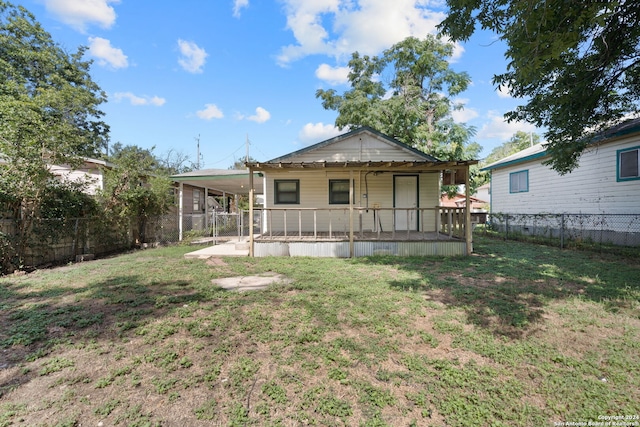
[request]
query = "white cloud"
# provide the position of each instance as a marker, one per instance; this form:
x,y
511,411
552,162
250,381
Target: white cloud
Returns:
x,y
106,54
317,132
140,100
80,13
499,128
193,57
503,91
238,5
261,115
340,27
211,111
464,114
333,75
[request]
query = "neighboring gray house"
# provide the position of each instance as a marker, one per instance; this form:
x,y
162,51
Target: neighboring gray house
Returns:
x,y
358,194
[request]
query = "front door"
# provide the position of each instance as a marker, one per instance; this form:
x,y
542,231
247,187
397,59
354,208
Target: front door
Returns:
x,y
405,195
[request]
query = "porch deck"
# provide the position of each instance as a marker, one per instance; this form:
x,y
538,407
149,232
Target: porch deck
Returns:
x,y
386,236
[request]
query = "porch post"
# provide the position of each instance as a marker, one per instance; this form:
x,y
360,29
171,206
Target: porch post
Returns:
x,y
467,213
180,208
351,193
250,212
206,208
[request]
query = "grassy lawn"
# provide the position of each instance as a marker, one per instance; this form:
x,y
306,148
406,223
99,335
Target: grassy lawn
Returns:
x,y
515,335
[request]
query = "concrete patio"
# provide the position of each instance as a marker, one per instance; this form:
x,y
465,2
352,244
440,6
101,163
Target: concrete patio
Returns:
x,y
233,247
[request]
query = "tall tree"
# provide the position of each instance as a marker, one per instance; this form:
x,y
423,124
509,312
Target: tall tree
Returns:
x,y
577,63
137,189
518,142
48,113
414,106
239,163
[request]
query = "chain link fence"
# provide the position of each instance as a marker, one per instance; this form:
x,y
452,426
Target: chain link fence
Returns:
x,y
563,230
218,225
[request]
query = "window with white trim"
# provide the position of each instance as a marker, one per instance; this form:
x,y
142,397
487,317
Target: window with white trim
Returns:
x,y
287,192
628,161
519,182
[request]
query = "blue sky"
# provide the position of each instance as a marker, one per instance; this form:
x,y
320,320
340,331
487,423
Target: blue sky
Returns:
x,y
222,71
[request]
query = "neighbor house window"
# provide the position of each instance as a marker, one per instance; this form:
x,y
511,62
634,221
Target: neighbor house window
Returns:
x,y
338,191
196,200
287,191
628,164
519,182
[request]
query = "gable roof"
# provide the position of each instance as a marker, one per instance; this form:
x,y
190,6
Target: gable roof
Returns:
x,y
534,152
340,138
537,151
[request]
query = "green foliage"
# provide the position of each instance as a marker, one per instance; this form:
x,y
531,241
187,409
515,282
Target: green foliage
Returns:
x,y
134,192
48,115
207,411
418,112
518,142
55,365
576,63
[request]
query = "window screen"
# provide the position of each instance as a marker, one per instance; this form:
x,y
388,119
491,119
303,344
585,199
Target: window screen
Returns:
x,y
287,192
339,191
519,182
628,164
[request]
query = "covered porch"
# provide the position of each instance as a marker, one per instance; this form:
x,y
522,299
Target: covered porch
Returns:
x,y
355,229
209,194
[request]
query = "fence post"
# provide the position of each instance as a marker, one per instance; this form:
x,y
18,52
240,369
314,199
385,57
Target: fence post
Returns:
x,y
506,227
215,227
562,231
75,239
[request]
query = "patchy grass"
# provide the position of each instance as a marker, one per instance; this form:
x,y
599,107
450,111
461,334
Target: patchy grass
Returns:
x,y
516,334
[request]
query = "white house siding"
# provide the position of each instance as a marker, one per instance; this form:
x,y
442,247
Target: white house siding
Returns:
x,y
592,188
90,174
365,147
314,193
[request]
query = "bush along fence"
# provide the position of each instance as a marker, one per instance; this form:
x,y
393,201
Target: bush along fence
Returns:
x,y
600,230
55,241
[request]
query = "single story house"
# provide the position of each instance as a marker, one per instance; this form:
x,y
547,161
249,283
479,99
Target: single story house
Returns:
x,y
360,193
598,201
459,200
607,179
483,193
90,173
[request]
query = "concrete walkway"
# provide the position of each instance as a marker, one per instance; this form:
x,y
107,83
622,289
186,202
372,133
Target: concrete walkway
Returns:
x,y
228,248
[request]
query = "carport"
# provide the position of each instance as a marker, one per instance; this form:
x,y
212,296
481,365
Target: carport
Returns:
x,y
224,183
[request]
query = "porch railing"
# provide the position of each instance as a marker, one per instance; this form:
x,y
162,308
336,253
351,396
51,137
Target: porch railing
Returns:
x,y
396,223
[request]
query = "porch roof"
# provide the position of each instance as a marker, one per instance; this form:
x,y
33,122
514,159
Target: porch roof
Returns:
x,y
224,180
415,165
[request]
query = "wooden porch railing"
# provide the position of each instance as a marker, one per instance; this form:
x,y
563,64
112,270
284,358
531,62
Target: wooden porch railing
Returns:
x,y
299,222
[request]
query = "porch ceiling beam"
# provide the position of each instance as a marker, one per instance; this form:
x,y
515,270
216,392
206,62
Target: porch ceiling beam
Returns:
x,y
399,164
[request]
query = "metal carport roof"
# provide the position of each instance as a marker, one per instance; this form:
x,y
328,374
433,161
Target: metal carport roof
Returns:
x,y
224,180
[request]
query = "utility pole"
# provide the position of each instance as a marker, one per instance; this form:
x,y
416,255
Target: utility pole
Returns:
x,y
198,151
